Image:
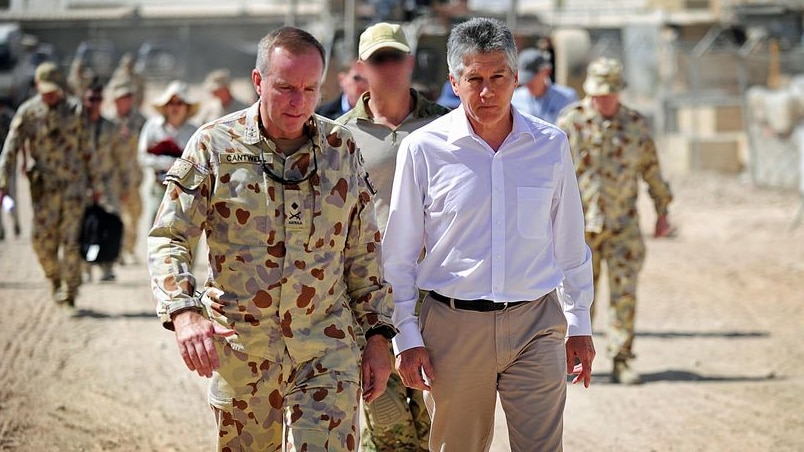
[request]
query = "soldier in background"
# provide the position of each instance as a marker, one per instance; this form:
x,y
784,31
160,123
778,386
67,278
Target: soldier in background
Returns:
x,y
6,115
128,122
126,73
612,148
218,85
381,118
49,127
109,162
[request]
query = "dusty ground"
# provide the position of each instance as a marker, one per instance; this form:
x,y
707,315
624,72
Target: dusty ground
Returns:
x,y
719,344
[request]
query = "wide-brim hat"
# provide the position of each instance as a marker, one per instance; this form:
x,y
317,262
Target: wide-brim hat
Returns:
x,y
382,36
179,90
604,76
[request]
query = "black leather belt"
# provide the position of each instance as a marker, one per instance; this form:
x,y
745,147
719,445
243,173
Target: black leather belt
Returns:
x,y
474,305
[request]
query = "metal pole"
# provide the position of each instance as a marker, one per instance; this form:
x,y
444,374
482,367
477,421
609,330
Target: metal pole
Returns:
x,y
511,16
290,19
349,27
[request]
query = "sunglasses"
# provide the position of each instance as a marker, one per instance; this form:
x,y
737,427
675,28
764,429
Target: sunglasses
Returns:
x,y
95,99
387,57
176,103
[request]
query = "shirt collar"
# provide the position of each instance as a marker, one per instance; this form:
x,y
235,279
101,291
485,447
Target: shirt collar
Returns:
x,y
361,109
460,127
251,135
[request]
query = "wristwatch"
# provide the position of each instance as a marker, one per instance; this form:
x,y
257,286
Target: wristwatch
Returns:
x,y
386,331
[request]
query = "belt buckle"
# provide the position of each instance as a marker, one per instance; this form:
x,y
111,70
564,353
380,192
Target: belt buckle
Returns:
x,y
505,306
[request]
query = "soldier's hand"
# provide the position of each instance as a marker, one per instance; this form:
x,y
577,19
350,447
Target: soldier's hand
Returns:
x,y
194,336
377,366
663,227
413,365
583,348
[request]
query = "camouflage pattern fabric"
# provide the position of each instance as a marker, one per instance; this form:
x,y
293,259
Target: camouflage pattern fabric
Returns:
x,y
61,173
292,264
397,420
125,142
610,156
110,163
258,403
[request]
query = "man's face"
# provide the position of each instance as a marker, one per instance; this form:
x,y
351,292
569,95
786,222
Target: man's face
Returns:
x,y
539,82
353,83
288,91
123,104
388,69
92,101
606,105
485,88
52,98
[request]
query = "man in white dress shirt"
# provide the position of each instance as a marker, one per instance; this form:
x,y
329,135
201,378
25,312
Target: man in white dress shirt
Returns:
x,y
492,196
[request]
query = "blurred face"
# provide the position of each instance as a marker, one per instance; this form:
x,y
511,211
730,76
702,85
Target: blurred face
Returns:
x,y
124,104
388,69
607,105
288,91
485,88
52,98
176,111
92,102
353,83
538,84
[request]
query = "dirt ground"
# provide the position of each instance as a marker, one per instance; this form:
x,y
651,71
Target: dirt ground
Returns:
x,y
718,341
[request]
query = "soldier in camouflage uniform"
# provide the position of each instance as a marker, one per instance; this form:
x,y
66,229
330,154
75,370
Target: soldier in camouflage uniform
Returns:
x,y
110,162
294,263
128,123
381,118
50,128
6,115
612,148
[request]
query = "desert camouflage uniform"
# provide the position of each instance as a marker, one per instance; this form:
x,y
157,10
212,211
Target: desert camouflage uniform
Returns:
x,y
291,268
125,142
6,115
61,172
398,419
610,155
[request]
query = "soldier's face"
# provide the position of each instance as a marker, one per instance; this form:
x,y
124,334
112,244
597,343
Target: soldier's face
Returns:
x,y
485,88
51,98
607,105
123,104
288,91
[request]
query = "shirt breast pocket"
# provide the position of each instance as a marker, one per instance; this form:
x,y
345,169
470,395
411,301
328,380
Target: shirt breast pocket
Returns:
x,y
240,203
533,211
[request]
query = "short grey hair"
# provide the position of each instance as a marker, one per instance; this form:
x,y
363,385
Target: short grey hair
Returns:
x,y
479,35
294,40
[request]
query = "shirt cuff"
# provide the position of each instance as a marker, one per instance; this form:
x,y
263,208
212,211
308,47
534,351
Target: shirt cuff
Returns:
x,y
579,323
409,337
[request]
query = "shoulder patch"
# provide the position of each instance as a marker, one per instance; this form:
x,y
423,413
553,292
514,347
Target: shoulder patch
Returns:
x,y
180,168
186,174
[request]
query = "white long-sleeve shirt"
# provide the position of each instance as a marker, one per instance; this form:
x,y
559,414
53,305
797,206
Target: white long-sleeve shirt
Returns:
x,y
502,226
155,130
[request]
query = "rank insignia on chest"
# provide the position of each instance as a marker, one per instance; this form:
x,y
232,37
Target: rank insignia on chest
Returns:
x,y
294,210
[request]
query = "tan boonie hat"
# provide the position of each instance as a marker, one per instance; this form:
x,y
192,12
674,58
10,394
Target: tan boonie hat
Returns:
x,y
122,88
48,78
381,36
604,76
177,89
217,79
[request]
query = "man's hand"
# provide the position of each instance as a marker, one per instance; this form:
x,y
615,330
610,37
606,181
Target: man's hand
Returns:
x,y
583,348
194,336
411,364
663,227
377,366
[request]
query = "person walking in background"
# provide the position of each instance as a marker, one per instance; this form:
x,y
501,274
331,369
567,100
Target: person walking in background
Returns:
x,y
110,163
6,116
352,83
164,136
294,263
382,117
61,168
126,72
612,148
491,196
537,95
128,122
218,85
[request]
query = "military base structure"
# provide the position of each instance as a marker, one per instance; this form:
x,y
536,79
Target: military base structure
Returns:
x,y
720,80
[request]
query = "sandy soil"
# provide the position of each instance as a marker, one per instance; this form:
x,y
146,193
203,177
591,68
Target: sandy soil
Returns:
x,y
719,343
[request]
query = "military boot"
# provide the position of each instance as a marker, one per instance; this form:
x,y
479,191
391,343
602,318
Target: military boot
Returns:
x,y
621,373
55,289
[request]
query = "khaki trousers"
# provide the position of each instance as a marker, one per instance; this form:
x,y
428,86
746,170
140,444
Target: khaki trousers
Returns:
x,y
518,352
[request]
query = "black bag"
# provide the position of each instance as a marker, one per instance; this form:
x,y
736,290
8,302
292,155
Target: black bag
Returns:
x,y
101,235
